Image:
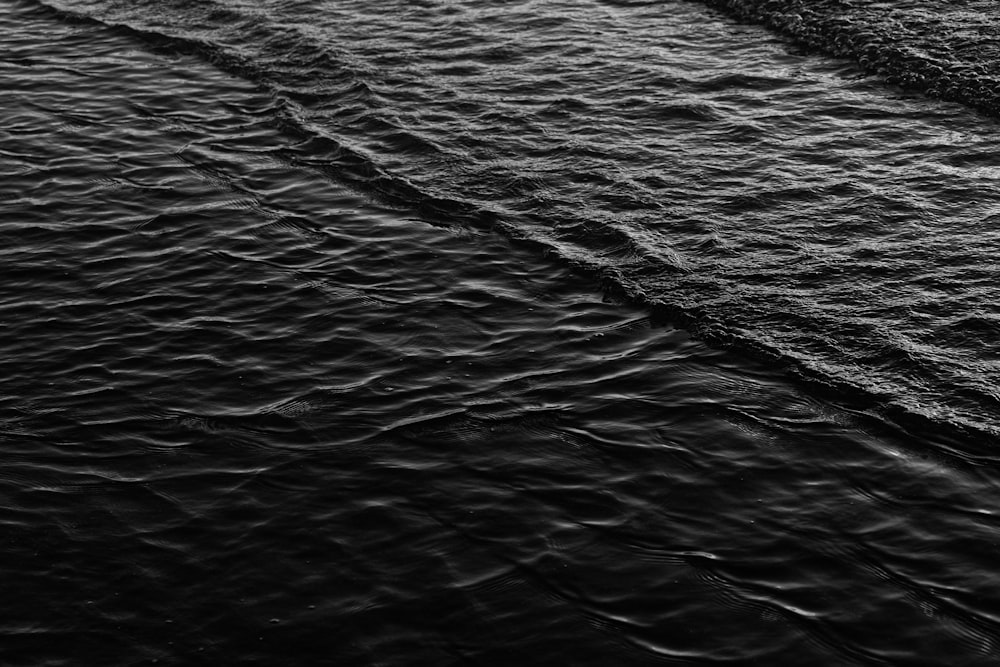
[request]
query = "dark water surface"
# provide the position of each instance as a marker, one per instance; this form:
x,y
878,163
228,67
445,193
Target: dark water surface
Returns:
x,y
481,333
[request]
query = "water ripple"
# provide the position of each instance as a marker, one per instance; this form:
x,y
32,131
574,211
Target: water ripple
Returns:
x,y
275,385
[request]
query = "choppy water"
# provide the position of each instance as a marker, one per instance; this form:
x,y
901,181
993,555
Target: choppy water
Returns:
x,y
493,333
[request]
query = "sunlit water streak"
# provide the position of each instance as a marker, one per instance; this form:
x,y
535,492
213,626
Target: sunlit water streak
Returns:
x,y
282,377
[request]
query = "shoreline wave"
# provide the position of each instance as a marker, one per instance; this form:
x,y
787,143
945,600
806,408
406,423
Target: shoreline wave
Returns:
x,y
585,247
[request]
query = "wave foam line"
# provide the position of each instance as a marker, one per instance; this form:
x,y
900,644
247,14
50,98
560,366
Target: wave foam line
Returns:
x,y
946,50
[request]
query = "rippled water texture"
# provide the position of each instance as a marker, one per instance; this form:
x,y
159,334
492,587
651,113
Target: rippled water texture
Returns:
x,y
773,202
418,333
